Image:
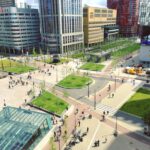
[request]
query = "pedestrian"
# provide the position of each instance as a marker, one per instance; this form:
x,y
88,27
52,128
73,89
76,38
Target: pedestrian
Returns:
x,y
79,123
87,129
105,141
98,142
103,112
107,112
112,95
133,82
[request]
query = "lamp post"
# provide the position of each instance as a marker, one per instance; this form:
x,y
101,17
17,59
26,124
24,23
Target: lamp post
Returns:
x,y
56,74
116,128
115,83
95,100
88,85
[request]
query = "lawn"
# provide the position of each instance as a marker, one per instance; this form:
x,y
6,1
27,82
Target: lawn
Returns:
x,y
75,82
115,44
138,104
126,51
92,67
50,103
14,66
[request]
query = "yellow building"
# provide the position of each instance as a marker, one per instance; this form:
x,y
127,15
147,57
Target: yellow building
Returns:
x,y
95,21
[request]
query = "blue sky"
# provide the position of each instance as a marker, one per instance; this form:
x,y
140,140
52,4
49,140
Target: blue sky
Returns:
x,y
95,2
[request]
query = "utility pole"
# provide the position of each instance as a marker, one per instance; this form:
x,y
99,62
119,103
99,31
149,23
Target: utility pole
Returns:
x,y
95,100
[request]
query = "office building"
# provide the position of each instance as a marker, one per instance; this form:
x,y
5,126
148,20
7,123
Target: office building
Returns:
x,y
61,26
144,20
127,17
19,29
99,23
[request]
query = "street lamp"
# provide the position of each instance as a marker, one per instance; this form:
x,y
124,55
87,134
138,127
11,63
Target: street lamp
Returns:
x,y
88,85
115,83
116,128
56,74
95,100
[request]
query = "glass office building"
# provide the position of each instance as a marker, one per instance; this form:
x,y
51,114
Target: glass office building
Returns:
x,y
19,29
144,19
61,25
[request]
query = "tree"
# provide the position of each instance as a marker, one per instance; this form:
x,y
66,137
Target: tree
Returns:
x,y
146,120
42,86
34,52
2,65
52,144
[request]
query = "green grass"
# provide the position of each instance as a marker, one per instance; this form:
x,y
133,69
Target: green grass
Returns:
x,y
92,67
126,51
75,81
138,104
14,66
50,103
18,70
77,55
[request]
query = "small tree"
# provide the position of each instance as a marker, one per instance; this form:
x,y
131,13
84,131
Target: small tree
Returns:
x,y
34,52
42,86
2,65
52,144
146,119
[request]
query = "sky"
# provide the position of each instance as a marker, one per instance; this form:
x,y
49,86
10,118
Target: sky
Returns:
x,y
89,2
95,2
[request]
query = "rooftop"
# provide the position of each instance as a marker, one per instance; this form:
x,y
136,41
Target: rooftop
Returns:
x,y
19,126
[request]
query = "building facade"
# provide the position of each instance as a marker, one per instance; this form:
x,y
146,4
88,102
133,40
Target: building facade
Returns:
x,y
112,4
96,20
19,28
61,25
127,18
7,3
144,19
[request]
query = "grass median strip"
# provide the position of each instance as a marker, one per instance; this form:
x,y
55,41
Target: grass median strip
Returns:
x,y
92,67
50,103
75,81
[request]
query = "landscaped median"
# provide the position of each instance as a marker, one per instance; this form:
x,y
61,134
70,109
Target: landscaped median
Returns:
x,y
14,66
138,104
51,103
92,66
75,82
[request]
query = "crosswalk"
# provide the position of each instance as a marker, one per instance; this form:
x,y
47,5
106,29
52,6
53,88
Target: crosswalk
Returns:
x,y
103,107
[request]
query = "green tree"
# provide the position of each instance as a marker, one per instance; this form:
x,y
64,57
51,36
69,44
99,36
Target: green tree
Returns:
x,y
146,120
42,86
2,65
34,52
52,144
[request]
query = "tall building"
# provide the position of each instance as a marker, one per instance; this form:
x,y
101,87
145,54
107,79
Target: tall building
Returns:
x,y
112,4
19,29
99,23
61,25
144,20
127,18
19,3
